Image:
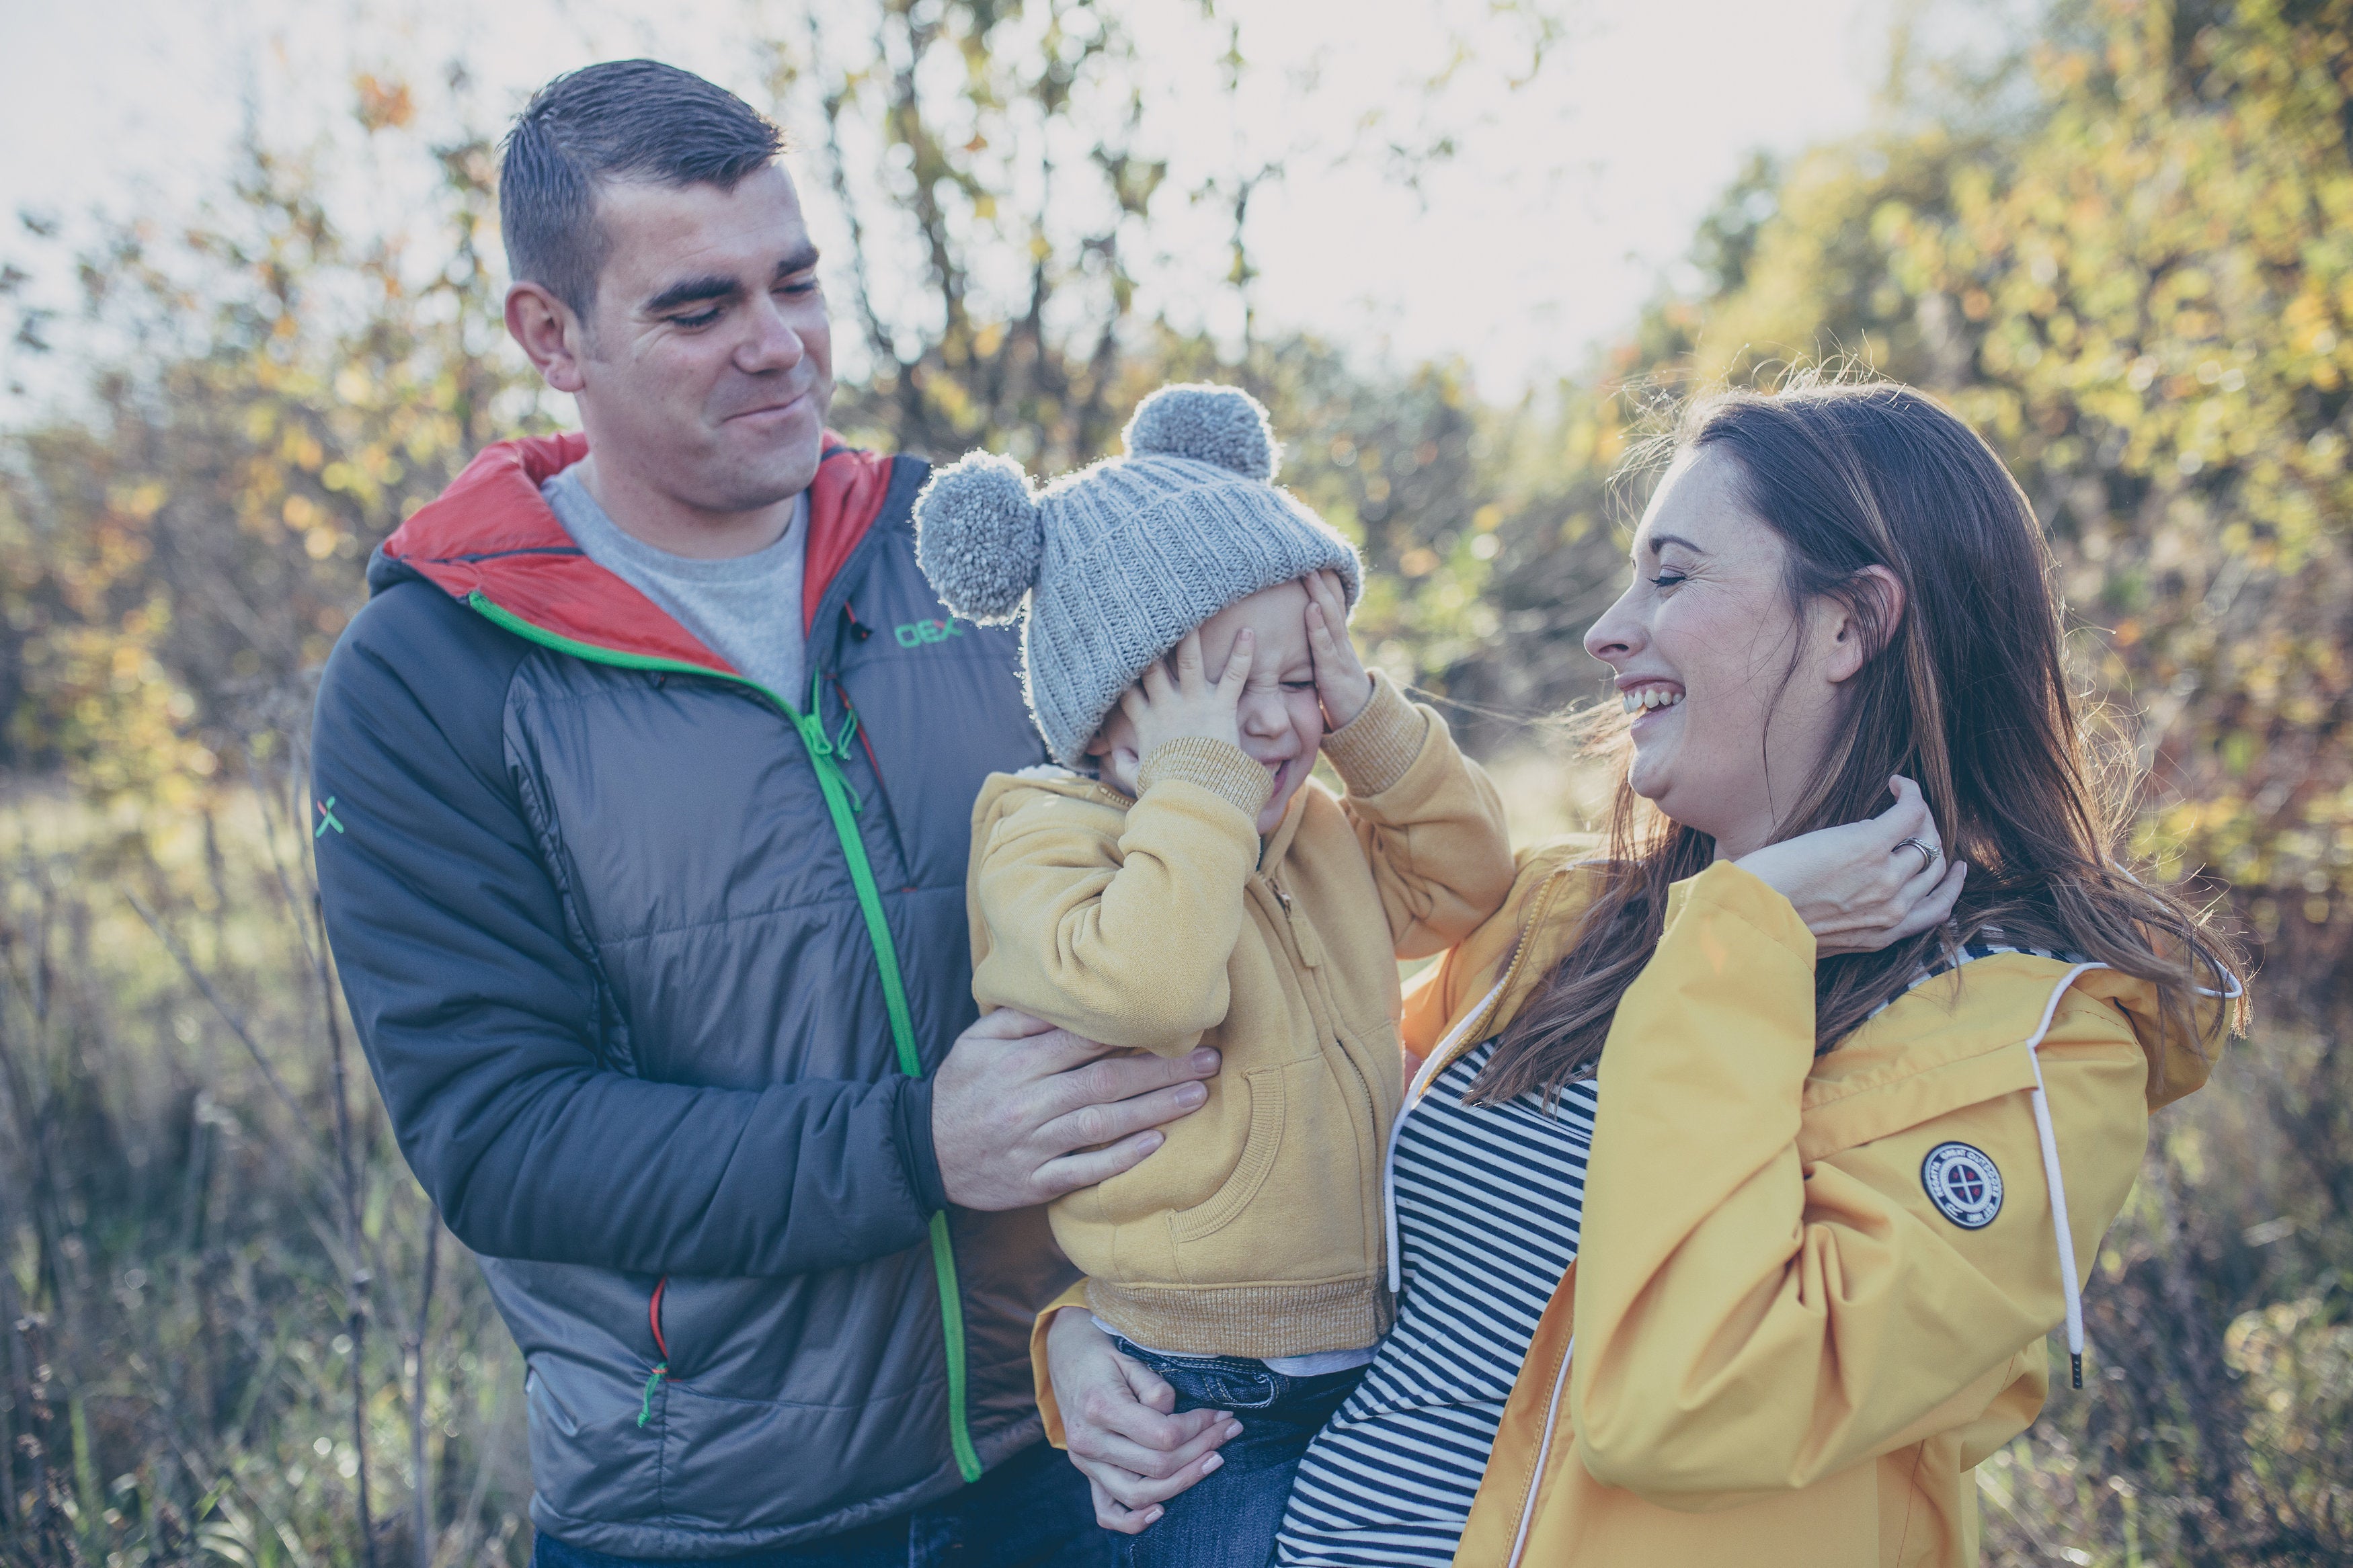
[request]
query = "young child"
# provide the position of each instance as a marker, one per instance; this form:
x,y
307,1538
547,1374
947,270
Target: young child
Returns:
x,y
1181,880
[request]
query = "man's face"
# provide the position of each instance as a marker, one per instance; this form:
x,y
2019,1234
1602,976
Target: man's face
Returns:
x,y
708,364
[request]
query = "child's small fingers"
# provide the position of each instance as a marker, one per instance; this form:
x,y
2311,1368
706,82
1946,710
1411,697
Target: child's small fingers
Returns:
x,y
1335,598
1188,661
1238,665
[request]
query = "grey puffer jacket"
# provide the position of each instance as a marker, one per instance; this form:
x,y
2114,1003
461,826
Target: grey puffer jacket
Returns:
x,y
615,973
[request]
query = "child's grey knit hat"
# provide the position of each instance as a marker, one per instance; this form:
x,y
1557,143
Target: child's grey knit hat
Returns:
x,y
1118,562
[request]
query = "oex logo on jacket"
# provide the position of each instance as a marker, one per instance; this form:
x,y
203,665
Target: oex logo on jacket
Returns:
x,y
916,634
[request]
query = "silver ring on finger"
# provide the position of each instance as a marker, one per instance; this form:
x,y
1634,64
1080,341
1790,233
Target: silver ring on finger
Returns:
x,y
1929,853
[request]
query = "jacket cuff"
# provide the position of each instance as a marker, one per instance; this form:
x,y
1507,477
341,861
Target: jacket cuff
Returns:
x,y
1374,750
916,1150
1225,771
1748,896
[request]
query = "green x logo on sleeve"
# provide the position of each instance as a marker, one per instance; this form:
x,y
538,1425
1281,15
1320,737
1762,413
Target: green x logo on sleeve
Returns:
x,y
326,817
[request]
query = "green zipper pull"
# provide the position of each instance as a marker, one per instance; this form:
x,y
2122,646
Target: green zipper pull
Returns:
x,y
653,1381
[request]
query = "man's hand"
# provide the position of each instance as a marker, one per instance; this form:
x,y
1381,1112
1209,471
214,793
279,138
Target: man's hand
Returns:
x,y
1116,1418
1865,885
1340,678
1190,702
1023,1112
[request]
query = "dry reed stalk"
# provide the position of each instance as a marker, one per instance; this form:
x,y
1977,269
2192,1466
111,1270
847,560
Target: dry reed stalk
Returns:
x,y
418,1345
359,1278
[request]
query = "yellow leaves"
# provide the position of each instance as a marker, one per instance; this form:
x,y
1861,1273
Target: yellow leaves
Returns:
x,y
383,105
136,503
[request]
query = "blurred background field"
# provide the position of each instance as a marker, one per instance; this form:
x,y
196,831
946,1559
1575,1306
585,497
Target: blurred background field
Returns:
x,y
2117,236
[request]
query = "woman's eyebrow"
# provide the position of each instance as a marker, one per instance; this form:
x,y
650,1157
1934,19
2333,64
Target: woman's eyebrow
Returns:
x,y
1660,541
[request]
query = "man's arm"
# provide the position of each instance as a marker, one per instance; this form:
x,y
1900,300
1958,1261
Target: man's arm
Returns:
x,y
478,1012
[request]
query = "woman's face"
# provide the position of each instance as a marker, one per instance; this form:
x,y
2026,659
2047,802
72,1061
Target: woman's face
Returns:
x,y
1730,728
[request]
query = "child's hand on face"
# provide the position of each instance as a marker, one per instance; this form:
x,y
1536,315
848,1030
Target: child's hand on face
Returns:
x,y
1187,704
1340,678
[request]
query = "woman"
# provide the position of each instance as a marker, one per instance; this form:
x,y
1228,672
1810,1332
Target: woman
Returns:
x,y
1805,1213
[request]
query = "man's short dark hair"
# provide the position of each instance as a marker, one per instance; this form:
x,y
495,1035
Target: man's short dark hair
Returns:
x,y
623,120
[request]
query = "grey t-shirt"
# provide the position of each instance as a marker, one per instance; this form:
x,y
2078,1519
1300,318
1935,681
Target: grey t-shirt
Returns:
x,y
747,610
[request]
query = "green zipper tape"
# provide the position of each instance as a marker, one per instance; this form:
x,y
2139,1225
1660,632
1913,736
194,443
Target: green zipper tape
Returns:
x,y
825,756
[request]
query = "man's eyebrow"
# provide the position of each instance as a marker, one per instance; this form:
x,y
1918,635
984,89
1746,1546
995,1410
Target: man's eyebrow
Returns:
x,y
693,290
719,286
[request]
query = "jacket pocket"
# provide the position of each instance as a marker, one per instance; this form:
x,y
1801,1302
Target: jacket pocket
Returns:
x,y
589,1458
1260,1145
1834,1121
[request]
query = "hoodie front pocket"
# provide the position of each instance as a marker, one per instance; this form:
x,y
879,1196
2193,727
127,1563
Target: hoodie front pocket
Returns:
x,y
1260,1147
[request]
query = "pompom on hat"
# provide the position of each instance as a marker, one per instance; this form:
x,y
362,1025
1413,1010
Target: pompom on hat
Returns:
x,y
1116,562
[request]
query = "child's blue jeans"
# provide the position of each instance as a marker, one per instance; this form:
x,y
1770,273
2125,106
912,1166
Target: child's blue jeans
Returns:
x,y
1229,1520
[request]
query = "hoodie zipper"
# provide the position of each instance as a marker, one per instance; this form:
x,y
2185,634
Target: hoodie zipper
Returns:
x,y
1297,938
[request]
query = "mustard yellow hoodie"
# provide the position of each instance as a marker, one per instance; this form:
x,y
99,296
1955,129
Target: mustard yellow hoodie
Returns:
x,y
1778,1346
1164,922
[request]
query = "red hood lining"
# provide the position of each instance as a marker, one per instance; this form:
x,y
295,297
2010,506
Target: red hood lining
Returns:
x,y
492,532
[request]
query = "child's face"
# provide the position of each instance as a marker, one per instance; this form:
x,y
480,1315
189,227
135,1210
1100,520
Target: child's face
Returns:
x,y
1279,716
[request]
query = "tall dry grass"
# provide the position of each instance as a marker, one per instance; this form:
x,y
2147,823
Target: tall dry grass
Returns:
x,y
236,1330
237,1333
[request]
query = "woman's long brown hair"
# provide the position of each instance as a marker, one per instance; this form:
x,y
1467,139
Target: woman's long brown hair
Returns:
x,y
1966,694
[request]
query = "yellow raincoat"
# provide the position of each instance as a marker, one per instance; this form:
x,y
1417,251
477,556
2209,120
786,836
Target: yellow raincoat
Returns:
x,y
1812,1293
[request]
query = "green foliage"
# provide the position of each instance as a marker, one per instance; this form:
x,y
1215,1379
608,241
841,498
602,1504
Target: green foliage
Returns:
x,y
182,546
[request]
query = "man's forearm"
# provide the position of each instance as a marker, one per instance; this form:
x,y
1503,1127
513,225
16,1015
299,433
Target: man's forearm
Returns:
x,y
602,1169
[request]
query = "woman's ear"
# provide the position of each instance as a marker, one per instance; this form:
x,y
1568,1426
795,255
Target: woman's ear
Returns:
x,y
1862,621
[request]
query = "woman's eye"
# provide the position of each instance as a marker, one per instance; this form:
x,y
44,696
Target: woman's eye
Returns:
x,y
1669,579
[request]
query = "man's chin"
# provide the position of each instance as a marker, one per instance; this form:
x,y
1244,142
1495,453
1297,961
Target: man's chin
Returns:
x,y
752,480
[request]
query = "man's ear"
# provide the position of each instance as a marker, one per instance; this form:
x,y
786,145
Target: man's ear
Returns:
x,y
1862,621
550,332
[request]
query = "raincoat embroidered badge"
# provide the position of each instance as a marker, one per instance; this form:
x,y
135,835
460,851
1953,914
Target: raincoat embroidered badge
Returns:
x,y
1963,1184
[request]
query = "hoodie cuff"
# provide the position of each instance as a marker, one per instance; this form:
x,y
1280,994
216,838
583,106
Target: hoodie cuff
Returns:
x,y
917,1150
1225,771
1374,750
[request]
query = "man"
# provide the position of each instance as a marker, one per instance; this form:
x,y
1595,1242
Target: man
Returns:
x,y
645,782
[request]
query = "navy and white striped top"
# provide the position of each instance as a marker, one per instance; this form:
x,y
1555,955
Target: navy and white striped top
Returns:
x,y
1488,1203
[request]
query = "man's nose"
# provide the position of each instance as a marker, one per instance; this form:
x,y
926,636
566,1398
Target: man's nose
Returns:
x,y
771,342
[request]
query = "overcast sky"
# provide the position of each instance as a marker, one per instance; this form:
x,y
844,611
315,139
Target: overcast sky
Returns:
x,y
1544,236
